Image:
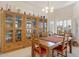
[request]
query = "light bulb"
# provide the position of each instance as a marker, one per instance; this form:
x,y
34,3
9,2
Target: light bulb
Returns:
x,y
46,11
43,9
46,7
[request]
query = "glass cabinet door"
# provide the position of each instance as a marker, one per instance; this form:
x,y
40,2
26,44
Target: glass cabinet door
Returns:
x,y
34,22
28,28
40,27
45,25
18,28
9,29
34,26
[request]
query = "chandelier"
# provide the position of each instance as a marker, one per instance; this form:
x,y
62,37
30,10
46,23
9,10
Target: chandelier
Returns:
x,y
48,9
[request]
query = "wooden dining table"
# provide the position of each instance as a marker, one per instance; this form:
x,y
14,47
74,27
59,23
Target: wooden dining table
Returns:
x,y
50,42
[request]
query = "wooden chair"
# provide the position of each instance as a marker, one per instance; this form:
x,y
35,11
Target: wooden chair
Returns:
x,y
61,49
37,49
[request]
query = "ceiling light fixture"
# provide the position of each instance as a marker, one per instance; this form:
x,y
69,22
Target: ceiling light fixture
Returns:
x,y
43,9
48,9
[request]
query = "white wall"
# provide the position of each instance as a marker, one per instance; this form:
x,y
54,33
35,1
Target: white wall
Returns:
x,y
65,13
76,19
76,10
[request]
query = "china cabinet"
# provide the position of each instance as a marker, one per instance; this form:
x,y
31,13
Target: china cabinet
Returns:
x,y
17,29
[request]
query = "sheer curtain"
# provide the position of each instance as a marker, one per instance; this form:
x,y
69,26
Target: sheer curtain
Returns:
x,y
64,24
77,28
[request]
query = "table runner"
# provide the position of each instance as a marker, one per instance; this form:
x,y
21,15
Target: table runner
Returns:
x,y
53,39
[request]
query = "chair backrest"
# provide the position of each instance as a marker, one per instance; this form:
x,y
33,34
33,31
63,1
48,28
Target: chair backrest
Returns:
x,y
66,36
35,47
65,39
36,44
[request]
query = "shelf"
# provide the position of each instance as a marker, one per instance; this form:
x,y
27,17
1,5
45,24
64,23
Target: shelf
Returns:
x,y
18,36
8,38
18,20
18,28
8,33
9,29
9,22
28,28
28,35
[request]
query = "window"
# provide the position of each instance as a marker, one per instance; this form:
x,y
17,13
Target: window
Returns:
x,y
64,25
52,26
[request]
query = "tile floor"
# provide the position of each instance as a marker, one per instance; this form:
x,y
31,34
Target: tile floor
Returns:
x,y
26,52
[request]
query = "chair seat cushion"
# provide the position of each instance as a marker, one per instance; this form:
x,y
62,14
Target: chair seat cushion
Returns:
x,y
60,48
43,50
40,50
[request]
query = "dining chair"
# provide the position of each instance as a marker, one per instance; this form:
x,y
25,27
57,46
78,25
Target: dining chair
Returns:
x,y
62,49
38,49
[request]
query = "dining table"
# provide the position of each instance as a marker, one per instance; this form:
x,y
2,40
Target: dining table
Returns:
x,y
50,42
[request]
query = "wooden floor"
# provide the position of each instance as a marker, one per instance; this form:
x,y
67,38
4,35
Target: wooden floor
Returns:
x,y
26,52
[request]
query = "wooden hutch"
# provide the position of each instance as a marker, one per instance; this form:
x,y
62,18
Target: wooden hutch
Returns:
x,y
16,29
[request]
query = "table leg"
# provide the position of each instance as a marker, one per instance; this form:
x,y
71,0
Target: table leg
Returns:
x,y
70,46
33,54
49,52
52,52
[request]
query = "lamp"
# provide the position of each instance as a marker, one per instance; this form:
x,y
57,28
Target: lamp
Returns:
x,y
48,8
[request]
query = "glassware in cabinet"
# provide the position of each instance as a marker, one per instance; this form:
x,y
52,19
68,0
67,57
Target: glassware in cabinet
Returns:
x,y
18,24
9,29
28,28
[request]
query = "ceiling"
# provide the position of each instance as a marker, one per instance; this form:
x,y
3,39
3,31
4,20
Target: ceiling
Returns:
x,y
55,4
39,4
34,6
